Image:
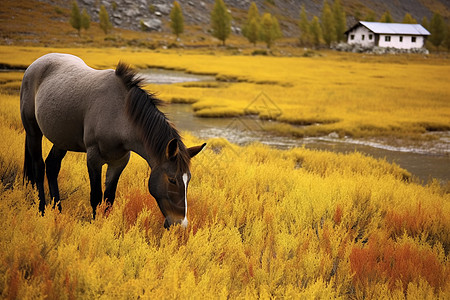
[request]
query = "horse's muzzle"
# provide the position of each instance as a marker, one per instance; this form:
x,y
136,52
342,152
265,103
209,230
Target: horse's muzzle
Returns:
x,y
182,222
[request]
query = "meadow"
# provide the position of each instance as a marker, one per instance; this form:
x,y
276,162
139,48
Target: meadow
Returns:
x,y
264,223
352,95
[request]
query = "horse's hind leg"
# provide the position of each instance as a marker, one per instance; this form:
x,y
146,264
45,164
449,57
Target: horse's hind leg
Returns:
x,y
112,178
53,165
33,160
94,165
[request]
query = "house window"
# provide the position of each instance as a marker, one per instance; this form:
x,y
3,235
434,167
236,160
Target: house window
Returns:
x,y
370,36
401,39
387,38
362,37
352,37
413,39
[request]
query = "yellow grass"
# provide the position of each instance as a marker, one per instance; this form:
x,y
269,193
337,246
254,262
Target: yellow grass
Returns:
x,y
264,223
344,93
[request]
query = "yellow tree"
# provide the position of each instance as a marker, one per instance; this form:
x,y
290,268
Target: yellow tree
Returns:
x,y
339,20
85,20
408,19
316,31
251,27
105,23
304,26
75,17
220,21
270,29
386,17
327,22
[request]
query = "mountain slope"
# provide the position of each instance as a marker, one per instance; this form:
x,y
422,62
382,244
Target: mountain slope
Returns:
x,y
29,21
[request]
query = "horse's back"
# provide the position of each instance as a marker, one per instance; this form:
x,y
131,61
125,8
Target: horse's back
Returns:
x,y
34,75
67,98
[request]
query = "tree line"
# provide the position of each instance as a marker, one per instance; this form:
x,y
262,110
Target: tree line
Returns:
x,y
329,28
82,20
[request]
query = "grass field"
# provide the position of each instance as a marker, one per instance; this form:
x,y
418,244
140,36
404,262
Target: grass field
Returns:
x,y
399,96
264,223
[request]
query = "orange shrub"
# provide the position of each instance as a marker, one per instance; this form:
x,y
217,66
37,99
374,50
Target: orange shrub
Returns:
x,y
384,260
136,202
420,219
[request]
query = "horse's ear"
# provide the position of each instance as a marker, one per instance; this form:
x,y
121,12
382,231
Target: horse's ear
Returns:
x,y
193,151
172,149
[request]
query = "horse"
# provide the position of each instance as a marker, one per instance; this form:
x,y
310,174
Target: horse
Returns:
x,y
106,114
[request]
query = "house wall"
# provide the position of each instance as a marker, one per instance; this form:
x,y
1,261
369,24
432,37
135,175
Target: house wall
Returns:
x,y
361,35
406,42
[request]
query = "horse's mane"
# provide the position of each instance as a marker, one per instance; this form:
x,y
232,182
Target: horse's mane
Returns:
x,y
156,130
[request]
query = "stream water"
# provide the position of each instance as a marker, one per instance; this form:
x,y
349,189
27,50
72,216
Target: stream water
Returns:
x,y
163,76
425,161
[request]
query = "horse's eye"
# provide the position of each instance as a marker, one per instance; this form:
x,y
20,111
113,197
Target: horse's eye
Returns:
x,y
172,181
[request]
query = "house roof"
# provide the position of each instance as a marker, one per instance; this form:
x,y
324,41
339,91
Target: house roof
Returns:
x,y
392,28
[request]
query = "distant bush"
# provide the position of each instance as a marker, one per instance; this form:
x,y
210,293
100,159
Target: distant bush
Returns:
x,y
142,25
59,11
110,38
311,53
260,52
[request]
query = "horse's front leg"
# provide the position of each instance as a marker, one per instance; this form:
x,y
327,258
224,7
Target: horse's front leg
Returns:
x,y
94,164
112,177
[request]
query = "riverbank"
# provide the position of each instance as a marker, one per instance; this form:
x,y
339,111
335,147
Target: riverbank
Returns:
x,y
425,160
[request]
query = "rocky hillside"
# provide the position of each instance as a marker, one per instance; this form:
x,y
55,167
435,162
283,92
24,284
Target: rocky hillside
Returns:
x,y
131,14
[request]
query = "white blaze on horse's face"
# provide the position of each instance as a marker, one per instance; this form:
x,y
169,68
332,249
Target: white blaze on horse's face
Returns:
x,y
184,223
169,191
169,182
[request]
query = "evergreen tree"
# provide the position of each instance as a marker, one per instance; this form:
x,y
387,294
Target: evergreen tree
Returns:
x,y
277,33
176,19
327,22
304,26
339,20
248,28
446,41
425,23
316,31
357,15
386,18
253,31
85,20
105,24
220,21
75,17
437,30
370,17
270,29
408,19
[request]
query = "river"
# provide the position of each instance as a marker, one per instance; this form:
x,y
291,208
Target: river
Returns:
x,y
426,161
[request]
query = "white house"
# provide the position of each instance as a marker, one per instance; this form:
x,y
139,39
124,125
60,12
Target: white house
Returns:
x,y
392,35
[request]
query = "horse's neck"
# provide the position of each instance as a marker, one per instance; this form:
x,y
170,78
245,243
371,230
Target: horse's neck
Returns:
x,y
136,145
142,151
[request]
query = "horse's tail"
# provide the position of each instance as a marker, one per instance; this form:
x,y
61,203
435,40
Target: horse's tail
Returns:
x,y
28,174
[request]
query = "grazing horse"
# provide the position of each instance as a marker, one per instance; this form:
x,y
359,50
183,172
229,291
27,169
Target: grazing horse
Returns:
x,y
106,114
